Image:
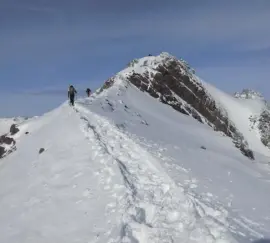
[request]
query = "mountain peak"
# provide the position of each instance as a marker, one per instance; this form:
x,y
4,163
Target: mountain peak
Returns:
x,y
149,65
150,60
173,82
248,94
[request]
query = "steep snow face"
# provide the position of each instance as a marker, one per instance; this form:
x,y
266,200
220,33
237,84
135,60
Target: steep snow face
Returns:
x,y
174,83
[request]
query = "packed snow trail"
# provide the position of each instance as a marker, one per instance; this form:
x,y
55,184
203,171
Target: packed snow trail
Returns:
x,y
155,209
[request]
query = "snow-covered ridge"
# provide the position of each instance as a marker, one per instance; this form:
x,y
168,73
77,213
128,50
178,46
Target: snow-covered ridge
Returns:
x,y
173,82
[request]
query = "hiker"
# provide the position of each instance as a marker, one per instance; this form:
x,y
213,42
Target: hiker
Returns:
x,y
71,94
88,92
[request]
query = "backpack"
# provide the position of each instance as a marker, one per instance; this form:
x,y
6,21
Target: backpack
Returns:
x,y
72,90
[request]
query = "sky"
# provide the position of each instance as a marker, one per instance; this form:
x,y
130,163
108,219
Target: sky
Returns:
x,y
45,45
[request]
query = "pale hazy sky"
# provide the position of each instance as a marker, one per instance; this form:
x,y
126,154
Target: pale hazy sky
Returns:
x,y
47,44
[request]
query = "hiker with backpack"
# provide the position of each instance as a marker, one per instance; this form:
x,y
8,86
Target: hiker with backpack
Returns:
x,y
71,94
88,92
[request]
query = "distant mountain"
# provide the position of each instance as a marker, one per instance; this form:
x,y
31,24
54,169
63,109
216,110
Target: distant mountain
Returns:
x,y
248,94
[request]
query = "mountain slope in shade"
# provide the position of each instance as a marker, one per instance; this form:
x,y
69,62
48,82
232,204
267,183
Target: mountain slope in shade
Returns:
x,y
174,83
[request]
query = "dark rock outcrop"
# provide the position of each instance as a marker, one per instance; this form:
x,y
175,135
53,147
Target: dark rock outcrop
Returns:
x,y
7,145
262,122
7,142
41,150
2,152
108,83
264,127
14,129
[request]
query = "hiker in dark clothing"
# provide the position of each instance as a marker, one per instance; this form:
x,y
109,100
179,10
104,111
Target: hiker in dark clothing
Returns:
x,y
71,94
88,92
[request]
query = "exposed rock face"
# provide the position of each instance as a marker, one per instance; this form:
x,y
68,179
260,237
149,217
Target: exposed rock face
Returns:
x,y
13,129
262,122
173,82
6,140
264,126
7,143
2,152
108,83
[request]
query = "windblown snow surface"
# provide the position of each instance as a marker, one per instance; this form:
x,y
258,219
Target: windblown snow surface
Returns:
x,y
123,167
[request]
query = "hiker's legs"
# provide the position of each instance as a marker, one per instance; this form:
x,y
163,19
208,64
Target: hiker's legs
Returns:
x,y
72,99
